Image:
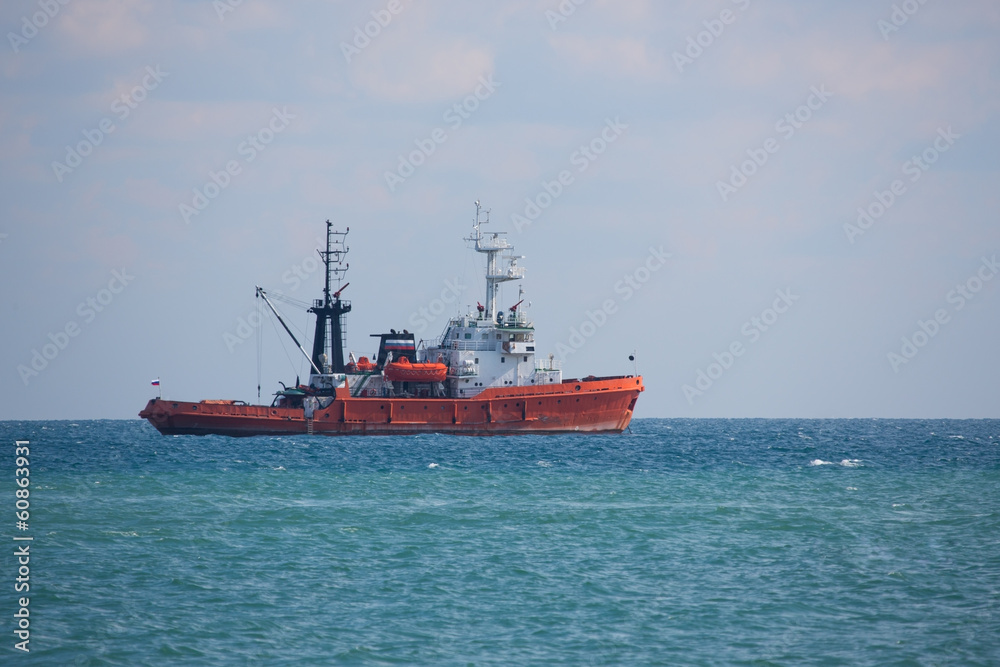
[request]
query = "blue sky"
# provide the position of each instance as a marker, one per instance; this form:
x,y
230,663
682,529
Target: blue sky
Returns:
x,y
161,159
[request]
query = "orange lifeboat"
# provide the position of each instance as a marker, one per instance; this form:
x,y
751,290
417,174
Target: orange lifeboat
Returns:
x,y
404,371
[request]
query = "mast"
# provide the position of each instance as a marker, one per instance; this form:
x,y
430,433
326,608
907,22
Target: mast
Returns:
x,y
330,309
494,246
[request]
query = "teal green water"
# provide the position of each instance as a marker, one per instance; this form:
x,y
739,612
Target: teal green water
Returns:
x,y
710,542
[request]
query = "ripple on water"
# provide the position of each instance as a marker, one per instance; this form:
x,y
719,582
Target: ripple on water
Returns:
x,y
685,542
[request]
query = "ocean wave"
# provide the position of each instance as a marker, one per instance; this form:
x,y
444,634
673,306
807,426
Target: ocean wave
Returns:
x,y
846,463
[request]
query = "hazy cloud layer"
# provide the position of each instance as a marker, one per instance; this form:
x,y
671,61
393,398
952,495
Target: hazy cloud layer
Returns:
x,y
842,155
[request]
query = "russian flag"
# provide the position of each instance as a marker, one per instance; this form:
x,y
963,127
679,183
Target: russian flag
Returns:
x,y
156,382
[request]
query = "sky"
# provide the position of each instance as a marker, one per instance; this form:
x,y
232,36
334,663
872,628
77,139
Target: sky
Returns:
x,y
784,209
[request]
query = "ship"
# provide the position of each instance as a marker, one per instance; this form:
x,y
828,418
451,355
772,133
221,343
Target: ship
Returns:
x,y
480,377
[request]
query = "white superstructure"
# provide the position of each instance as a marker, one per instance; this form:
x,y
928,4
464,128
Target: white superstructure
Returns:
x,y
492,347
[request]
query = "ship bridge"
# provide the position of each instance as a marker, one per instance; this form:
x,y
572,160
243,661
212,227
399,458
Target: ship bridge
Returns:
x,y
492,347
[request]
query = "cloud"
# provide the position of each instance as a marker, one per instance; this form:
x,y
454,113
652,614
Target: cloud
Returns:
x,y
426,73
857,69
610,56
105,27
408,62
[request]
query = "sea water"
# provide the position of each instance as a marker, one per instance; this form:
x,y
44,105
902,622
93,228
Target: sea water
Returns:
x,y
702,542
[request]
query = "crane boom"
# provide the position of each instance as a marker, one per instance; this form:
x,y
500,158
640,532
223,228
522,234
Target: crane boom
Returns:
x,y
260,293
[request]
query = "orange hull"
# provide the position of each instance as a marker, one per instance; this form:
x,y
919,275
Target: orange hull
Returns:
x,y
593,405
